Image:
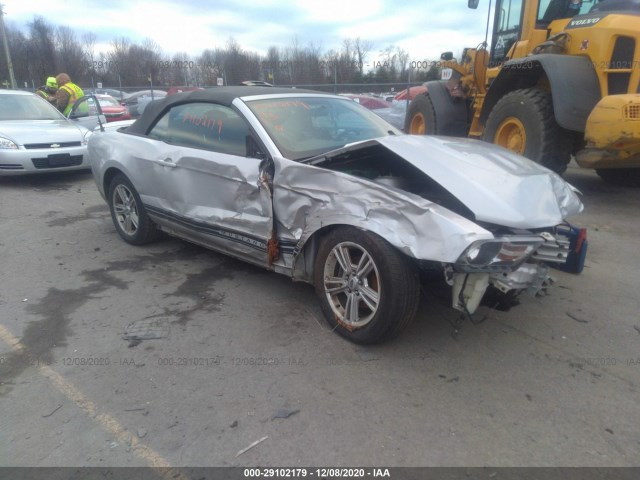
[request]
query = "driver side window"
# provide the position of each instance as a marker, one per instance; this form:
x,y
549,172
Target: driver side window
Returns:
x,y
206,126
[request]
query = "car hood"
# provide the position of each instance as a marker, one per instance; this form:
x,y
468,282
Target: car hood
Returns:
x,y
497,185
41,131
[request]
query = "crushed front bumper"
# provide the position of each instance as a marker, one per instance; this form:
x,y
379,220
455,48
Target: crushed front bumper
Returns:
x,y
532,276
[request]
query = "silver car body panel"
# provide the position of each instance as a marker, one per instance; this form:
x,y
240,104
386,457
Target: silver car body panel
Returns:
x,y
497,185
209,198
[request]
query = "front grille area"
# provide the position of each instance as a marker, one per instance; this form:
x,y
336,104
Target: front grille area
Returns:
x,y
33,146
11,166
49,162
631,112
554,250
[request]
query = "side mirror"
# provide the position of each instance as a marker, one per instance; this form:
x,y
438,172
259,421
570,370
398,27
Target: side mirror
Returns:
x,y
446,56
473,4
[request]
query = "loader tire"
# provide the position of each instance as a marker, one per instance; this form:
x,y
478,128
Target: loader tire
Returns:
x,y
523,121
421,117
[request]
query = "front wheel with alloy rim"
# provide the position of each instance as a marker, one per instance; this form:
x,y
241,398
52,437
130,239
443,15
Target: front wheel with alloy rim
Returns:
x,y
128,214
369,292
523,121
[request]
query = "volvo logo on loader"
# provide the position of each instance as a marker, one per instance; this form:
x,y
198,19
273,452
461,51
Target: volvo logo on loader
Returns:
x,y
583,22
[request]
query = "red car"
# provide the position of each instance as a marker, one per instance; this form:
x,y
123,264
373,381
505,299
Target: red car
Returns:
x,y
367,101
174,90
112,109
413,93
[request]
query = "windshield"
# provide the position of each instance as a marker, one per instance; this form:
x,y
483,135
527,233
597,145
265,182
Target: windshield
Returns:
x,y
303,127
26,107
108,102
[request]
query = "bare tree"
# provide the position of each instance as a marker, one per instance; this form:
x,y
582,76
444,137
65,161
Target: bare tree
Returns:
x,y
313,64
116,64
18,45
402,61
210,69
272,66
69,53
89,54
362,49
45,50
41,50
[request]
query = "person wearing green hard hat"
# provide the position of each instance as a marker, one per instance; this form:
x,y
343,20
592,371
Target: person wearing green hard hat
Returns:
x,y
67,94
48,90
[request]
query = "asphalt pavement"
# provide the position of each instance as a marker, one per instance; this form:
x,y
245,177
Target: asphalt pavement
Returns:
x,y
236,366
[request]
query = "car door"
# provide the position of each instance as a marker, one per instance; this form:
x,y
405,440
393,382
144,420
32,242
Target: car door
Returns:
x,y
85,112
200,183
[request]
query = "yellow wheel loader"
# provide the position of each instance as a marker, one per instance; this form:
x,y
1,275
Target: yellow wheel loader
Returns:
x,y
560,78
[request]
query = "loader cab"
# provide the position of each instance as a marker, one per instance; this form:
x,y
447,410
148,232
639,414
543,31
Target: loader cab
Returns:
x,y
511,15
550,10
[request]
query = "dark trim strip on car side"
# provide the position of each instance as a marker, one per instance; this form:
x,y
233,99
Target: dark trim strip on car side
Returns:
x,y
252,241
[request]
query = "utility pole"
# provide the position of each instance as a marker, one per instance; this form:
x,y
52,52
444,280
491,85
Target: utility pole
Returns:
x,y
6,48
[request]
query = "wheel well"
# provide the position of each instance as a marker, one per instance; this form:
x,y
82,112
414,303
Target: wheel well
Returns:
x,y
450,113
557,73
303,265
108,176
509,80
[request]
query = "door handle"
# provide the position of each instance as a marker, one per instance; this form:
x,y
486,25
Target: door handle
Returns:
x,y
167,162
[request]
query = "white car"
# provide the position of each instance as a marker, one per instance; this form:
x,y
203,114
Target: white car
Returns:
x,y
35,137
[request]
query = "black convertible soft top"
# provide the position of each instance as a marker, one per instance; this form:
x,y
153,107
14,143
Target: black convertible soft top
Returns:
x,y
220,95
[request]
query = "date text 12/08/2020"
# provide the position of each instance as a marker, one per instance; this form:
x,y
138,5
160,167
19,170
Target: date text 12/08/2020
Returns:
x,y
325,472
158,64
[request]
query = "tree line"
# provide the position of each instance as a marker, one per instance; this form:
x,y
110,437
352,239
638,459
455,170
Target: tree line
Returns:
x,y
43,49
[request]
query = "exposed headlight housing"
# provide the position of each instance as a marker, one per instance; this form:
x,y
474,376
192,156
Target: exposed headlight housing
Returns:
x,y
499,254
5,143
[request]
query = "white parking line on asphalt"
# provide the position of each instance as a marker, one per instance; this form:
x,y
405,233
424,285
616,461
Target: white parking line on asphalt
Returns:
x,y
106,421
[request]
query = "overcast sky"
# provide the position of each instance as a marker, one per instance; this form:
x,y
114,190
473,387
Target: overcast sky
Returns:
x,y
424,28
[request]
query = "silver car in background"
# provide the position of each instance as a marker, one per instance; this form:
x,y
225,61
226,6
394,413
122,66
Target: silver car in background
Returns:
x,y
35,137
320,189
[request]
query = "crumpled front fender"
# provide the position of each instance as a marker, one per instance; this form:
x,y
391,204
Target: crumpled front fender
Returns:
x,y
308,199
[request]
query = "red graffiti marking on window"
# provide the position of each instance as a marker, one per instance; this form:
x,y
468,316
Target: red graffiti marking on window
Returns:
x,y
203,121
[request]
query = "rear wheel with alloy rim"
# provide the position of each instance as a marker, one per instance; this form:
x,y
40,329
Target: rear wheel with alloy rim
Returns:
x,y
128,214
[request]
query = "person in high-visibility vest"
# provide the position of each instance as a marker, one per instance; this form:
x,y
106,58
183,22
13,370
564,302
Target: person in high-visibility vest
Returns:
x,y
67,94
48,91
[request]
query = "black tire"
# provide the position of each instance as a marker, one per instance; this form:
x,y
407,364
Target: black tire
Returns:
x,y
145,230
421,117
626,177
391,285
545,141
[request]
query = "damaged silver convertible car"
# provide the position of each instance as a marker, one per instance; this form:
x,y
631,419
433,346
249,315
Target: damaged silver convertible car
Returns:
x,y
319,188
